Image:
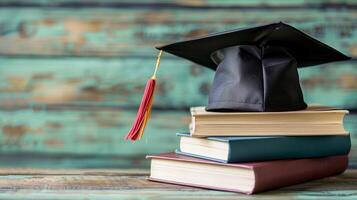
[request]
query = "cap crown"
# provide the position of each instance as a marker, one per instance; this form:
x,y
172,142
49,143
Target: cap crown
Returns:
x,y
251,78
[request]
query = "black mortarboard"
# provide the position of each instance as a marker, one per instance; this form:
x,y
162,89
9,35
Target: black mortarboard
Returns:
x,y
256,68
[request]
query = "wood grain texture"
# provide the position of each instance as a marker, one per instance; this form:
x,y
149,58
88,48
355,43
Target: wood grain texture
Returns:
x,y
94,138
87,132
121,184
181,3
27,82
135,31
97,81
72,73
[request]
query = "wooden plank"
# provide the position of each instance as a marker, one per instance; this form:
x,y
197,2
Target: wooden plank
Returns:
x,y
73,160
27,83
88,132
94,139
65,108
333,84
166,195
129,31
84,139
72,172
130,185
101,81
178,3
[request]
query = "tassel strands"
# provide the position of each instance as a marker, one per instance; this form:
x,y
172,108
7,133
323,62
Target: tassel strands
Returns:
x,y
138,127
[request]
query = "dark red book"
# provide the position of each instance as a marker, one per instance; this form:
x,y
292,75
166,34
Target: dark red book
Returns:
x,y
247,178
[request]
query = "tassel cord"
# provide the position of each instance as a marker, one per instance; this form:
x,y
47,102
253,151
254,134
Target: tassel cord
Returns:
x,y
143,114
157,65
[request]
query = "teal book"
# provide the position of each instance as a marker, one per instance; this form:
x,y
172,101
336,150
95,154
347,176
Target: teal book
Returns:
x,y
247,149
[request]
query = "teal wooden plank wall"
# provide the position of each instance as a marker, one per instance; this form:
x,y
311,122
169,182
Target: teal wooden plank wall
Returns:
x,y
72,72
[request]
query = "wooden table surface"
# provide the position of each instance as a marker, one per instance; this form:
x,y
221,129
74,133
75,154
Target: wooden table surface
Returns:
x,y
132,184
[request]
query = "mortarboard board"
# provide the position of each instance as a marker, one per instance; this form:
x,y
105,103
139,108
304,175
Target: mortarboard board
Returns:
x,y
256,69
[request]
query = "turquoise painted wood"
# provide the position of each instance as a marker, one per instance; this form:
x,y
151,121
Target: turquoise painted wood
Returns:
x,y
25,82
87,132
97,81
122,31
71,79
102,184
80,138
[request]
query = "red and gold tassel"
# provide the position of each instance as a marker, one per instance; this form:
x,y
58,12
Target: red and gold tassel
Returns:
x,y
138,127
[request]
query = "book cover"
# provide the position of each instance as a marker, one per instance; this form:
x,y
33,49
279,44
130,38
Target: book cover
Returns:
x,y
246,149
311,109
315,120
267,175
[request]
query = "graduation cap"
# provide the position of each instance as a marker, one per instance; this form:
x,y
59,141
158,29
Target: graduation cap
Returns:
x,y
256,68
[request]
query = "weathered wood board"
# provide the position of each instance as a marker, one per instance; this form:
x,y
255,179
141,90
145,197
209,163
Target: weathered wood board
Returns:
x,y
121,184
94,138
120,82
72,72
80,138
134,31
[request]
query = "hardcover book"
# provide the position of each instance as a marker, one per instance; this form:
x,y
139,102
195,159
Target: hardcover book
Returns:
x,y
247,178
245,149
315,120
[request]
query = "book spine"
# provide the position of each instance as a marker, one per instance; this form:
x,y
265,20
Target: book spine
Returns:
x,y
287,148
280,174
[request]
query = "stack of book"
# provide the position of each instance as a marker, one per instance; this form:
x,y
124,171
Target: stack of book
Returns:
x,y
252,152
